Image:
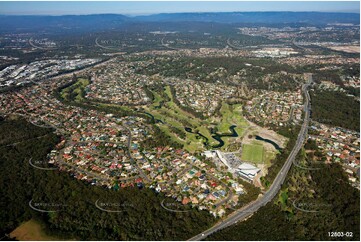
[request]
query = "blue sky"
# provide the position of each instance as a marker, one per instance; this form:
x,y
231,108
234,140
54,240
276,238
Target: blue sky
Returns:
x,y
139,8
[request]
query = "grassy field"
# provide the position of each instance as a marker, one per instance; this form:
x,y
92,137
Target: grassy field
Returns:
x,y
173,115
30,230
74,92
232,115
268,156
252,153
157,99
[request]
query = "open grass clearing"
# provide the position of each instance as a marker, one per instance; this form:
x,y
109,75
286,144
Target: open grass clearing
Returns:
x,y
74,92
173,115
252,153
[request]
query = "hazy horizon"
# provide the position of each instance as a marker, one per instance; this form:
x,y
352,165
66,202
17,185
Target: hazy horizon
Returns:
x,y
137,8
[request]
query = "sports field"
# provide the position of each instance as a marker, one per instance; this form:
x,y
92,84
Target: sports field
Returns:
x,y
252,153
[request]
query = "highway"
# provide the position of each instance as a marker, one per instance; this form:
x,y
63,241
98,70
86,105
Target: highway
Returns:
x,y
252,207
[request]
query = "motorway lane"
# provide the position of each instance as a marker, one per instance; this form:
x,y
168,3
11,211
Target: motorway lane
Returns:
x,y
248,210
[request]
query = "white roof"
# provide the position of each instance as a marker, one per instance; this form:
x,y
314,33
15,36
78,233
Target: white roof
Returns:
x,y
246,166
248,169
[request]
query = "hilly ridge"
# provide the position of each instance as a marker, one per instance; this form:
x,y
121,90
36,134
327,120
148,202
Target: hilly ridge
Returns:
x,y
96,22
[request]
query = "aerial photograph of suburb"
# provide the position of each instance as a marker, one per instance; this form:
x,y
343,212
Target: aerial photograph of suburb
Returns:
x,y
180,120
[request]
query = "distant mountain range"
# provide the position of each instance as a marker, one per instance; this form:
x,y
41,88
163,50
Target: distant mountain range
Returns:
x,y
117,21
48,23
257,17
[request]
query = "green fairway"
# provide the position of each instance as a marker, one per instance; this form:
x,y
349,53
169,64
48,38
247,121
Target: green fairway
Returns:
x,y
252,153
171,114
157,100
175,119
75,92
110,105
231,115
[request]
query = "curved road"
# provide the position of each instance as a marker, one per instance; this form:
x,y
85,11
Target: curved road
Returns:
x,y
252,207
141,172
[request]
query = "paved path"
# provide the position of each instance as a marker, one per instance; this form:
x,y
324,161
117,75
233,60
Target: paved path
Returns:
x,y
142,174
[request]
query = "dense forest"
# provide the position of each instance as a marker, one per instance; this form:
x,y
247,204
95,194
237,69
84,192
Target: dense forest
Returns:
x,y
142,219
335,108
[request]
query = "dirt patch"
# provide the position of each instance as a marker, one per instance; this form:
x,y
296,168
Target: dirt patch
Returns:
x,y
30,230
254,130
347,48
257,180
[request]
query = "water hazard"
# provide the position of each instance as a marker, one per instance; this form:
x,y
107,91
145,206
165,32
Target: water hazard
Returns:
x,y
269,141
215,135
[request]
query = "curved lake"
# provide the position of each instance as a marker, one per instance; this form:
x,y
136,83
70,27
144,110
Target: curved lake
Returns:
x,y
154,120
216,136
269,141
